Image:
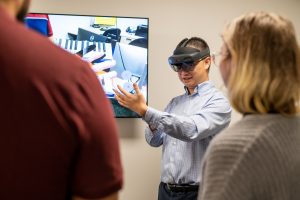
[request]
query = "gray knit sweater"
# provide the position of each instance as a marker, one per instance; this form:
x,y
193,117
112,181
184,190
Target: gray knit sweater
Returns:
x,y
258,158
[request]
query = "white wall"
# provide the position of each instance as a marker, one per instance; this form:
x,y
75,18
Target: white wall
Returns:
x,y
170,21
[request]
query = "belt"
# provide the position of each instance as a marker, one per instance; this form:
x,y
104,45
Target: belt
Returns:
x,y
181,187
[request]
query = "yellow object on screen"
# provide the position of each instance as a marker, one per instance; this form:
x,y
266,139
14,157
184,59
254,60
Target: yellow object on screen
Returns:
x,y
109,21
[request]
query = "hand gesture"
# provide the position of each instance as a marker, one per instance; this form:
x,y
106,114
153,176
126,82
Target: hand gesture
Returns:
x,y
135,102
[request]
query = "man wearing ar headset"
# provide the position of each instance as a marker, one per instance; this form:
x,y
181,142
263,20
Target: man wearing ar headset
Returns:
x,y
188,123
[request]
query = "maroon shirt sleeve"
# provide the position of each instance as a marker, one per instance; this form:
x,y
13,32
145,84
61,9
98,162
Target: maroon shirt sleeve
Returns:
x,y
97,172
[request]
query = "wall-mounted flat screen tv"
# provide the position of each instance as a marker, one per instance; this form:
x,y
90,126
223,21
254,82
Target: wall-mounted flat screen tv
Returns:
x,y
117,48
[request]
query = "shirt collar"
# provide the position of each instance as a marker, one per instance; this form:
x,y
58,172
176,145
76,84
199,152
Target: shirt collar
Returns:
x,y
201,87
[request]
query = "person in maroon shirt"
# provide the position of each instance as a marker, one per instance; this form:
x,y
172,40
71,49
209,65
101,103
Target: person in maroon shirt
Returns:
x,y
58,137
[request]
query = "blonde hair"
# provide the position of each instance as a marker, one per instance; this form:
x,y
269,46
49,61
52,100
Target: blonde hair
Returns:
x,y
265,68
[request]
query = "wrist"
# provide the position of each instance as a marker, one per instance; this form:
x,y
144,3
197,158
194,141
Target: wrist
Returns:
x,y
143,110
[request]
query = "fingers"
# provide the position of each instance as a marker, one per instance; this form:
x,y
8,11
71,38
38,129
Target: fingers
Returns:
x,y
123,91
118,94
121,101
136,88
128,100
121,98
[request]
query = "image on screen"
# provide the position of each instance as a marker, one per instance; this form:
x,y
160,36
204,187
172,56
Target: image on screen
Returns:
x,y
117,48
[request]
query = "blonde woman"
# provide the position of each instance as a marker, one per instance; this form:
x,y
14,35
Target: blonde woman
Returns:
x,y
259,156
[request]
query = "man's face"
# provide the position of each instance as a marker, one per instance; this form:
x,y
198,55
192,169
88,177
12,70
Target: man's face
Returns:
x,y
23,10
192,78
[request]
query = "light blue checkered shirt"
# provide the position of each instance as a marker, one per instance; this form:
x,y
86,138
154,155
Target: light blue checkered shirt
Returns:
x,y
185,129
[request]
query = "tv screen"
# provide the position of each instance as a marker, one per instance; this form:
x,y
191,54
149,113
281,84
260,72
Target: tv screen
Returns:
x,y
117,48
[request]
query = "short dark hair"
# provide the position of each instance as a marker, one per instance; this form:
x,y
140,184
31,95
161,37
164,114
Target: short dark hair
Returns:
x,y
195,42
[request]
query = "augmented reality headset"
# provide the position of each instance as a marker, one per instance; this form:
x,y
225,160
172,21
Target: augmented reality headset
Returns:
x,y
185,58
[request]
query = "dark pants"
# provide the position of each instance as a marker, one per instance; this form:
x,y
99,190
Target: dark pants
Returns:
x,y
164,193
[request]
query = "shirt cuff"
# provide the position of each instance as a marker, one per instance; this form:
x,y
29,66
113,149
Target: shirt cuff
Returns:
x,y
152,117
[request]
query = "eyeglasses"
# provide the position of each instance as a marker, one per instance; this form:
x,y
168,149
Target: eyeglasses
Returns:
x,y
217,58
185,66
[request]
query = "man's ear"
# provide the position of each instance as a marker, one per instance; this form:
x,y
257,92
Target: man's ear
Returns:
x,y
207,62
18,4
13,5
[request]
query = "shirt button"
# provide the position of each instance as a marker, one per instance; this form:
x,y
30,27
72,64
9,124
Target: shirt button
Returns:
x,y
174,143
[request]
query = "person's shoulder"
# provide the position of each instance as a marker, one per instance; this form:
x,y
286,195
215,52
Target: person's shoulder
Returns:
x,y
218,92
255,130
36,53
237,136
178,98
52,63
45,52
216,99
214,91
272,129
254,140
